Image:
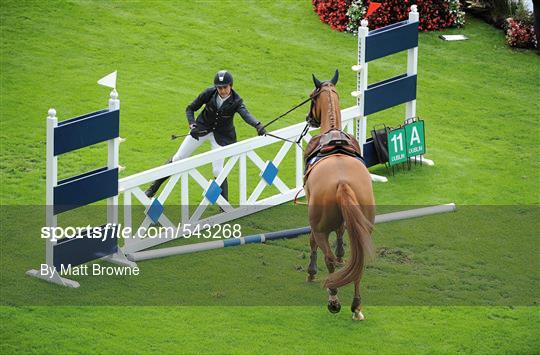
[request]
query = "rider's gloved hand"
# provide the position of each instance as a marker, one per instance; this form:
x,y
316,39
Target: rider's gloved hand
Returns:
x,y
194,132
260,129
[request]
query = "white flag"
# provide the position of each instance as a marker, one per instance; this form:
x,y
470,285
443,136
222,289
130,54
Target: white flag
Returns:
x,y
108,80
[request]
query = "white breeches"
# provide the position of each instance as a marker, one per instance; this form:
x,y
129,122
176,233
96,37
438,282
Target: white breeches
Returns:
x,y
190,144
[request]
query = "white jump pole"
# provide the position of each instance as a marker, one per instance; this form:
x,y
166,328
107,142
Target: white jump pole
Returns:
x,y
289,233
414,213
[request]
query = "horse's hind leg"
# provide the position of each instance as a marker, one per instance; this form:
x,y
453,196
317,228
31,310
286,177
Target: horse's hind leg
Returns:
x,y
356,307
340,251
312,268
322,241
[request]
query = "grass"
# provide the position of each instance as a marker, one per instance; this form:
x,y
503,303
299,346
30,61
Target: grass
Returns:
x,y
273,329
464,282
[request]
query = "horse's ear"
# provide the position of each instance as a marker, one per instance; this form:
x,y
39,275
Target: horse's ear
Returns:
x,y
316,81
335,78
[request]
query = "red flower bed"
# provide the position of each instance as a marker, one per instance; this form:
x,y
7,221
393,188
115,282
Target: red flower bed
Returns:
x,y
520,34
332,12
434,14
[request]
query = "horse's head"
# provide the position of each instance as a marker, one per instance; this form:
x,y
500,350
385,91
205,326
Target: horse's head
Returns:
x,y
324,109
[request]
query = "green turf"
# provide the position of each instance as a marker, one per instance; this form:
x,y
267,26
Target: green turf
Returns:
x,y
464,282
269,330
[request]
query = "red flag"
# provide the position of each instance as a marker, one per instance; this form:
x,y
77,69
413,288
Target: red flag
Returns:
x,y
373,6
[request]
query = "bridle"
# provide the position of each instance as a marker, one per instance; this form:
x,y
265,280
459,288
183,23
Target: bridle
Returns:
x,y
311,118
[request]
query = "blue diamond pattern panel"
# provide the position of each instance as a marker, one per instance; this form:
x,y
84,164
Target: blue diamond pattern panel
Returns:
x,y
213,192
155,211
270,173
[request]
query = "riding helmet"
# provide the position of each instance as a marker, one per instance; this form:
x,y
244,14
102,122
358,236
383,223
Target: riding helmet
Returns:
x,y
223,78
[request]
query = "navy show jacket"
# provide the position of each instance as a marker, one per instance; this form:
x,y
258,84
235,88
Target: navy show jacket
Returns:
x,y
219,121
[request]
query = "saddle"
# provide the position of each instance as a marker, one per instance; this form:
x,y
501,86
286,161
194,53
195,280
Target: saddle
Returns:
x,y
330,143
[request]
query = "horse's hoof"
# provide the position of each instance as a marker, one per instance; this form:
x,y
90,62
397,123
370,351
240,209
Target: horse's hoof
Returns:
x,y
311,278
334,306
358,315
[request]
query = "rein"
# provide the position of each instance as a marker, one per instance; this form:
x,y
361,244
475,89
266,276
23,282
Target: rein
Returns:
x,y
306,128
310,98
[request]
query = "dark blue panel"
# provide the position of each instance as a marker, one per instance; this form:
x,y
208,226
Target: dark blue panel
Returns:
x,y
213,192
80,132
84,189
392,92
76,251
391,39
370,155
155,210
270,173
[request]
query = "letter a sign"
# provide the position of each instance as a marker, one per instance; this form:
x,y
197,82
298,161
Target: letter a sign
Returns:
x,y
415,137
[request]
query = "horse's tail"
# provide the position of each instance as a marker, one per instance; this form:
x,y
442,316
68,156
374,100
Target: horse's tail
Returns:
x,y
359,229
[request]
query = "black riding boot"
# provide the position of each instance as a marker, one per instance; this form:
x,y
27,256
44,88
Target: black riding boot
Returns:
x,y
225,190
153,189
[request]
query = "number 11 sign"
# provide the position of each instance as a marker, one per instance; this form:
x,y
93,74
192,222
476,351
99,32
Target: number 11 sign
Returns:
x,y
396,146
406,142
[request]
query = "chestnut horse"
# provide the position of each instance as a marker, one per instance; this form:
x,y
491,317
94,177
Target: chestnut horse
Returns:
x,y
340,196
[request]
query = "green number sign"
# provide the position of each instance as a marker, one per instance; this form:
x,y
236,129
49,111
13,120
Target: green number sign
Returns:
x,y
396,146
406,142
414,133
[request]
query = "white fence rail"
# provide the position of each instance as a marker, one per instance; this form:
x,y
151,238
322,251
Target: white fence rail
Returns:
x,y
235,154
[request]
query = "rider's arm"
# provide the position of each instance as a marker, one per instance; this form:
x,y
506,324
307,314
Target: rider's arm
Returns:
x,y
246,116
197,104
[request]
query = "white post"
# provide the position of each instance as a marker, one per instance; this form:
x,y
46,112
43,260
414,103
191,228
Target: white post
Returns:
x,y
412,69
412,65
361,86
112,161
51,274
51,182
113,157
361,83
114,103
